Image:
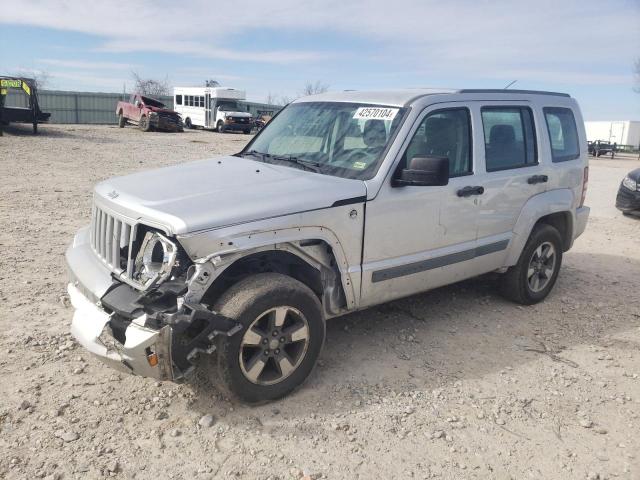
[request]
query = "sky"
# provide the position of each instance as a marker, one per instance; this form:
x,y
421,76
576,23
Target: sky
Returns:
x,y
587,48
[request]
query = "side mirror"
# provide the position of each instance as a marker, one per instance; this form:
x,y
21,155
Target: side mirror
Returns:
x,y
424,172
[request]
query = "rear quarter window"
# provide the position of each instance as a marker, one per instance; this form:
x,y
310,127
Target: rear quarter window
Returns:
x,y
563,133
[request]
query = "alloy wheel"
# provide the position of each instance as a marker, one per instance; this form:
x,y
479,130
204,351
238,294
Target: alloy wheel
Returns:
x,y
541,267
274,345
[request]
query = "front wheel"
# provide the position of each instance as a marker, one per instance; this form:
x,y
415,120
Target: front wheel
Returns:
x,y
531,279
121,120
220,127
144,124
282,336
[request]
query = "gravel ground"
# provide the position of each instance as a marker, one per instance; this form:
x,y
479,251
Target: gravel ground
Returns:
x,y
453,383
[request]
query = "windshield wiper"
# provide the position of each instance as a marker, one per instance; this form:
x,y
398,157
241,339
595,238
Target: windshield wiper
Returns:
x,y
255,153
313,166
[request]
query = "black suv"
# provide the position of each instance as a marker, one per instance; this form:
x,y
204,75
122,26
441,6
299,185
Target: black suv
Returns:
x,y
600,147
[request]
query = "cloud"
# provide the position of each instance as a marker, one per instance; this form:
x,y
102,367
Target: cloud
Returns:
x,y
82,65
545,40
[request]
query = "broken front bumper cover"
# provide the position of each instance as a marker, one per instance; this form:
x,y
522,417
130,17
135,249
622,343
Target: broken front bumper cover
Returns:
x,y
152,347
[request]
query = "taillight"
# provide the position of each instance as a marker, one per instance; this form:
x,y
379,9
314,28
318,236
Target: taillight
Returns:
x,y
585,184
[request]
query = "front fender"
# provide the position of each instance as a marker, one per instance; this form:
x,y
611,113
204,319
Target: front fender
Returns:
x,y
538,206
238,240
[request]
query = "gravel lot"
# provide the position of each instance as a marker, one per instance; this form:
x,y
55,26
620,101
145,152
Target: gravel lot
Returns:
x,y
453,383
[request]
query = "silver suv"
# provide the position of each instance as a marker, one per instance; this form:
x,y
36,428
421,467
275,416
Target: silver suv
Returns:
x,y
345,200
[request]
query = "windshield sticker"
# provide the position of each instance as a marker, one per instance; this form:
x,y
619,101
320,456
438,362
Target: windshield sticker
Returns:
x,y
375,113
359,165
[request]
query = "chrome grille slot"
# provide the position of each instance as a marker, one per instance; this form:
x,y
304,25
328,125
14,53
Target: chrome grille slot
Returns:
x,y
112,240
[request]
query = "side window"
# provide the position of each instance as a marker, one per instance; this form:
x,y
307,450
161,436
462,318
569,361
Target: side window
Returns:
x,y
563,134
444,133
509,138
178,99
201,102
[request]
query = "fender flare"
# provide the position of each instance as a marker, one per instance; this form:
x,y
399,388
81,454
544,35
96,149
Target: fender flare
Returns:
x,y
234,247
538,206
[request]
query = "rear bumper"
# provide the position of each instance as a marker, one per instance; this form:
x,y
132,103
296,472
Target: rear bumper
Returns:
x,y
582,216
627,200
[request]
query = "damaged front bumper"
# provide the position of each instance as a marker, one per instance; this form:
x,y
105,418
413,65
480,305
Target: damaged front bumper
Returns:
x,y
145,352
154,333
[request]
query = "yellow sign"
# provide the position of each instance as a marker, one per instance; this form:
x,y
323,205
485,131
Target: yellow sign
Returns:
x,y
5,82
26,88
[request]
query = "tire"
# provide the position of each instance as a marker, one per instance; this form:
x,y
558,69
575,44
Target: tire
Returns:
x,y
121,120
517,284
187,123
247,132
220,127
254,302
144,124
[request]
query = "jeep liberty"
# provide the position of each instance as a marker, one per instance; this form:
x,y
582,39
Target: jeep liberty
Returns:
x,y
343,201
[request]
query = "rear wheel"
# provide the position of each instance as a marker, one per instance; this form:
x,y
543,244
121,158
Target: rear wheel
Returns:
x,y
531,279
121,120
282,336
187,123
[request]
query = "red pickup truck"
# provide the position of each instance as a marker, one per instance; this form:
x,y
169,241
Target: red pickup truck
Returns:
x,y
148,114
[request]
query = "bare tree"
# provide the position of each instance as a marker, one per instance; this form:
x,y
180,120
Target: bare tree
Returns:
x,y
41,78
271,99
150,86
211,83
311,88
285,100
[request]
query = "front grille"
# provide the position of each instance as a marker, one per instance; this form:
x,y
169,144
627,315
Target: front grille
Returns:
x,y
112,240
169,118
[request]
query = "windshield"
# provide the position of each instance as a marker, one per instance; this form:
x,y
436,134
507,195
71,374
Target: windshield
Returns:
x,y
335,138
228,106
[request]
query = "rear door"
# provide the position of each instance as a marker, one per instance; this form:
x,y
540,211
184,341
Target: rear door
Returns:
x,y
512,174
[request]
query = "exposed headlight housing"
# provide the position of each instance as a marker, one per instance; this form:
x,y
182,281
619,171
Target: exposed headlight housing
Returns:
x,y
630,183
155,259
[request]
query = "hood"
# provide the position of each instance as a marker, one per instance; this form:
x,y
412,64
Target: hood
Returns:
x,y
221,191
161,110
237,114
634,174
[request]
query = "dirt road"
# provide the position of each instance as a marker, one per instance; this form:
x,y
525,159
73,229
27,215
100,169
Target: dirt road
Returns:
x,y
454,383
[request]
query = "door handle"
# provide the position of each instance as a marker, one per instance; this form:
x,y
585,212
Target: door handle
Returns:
x,y
537,179
468,191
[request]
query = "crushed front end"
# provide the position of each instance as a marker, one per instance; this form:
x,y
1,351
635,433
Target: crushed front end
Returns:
x,y
129,286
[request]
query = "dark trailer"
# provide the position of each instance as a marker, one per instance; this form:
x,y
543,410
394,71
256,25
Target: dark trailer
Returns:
x,y
31,114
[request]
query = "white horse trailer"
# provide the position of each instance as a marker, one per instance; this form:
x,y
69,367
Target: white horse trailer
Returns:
x,y
214,108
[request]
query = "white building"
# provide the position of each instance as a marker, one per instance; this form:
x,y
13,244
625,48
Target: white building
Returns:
x,y
624,132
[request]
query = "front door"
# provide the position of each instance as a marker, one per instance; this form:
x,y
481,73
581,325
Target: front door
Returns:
x,y
417,238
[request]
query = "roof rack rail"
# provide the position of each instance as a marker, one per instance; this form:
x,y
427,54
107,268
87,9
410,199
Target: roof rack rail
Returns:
x,y
502,90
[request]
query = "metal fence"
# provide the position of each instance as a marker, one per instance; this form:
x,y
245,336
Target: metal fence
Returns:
x,y
95,107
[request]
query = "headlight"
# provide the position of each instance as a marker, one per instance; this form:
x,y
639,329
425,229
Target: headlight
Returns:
x,y
155,259
630,183
152,113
